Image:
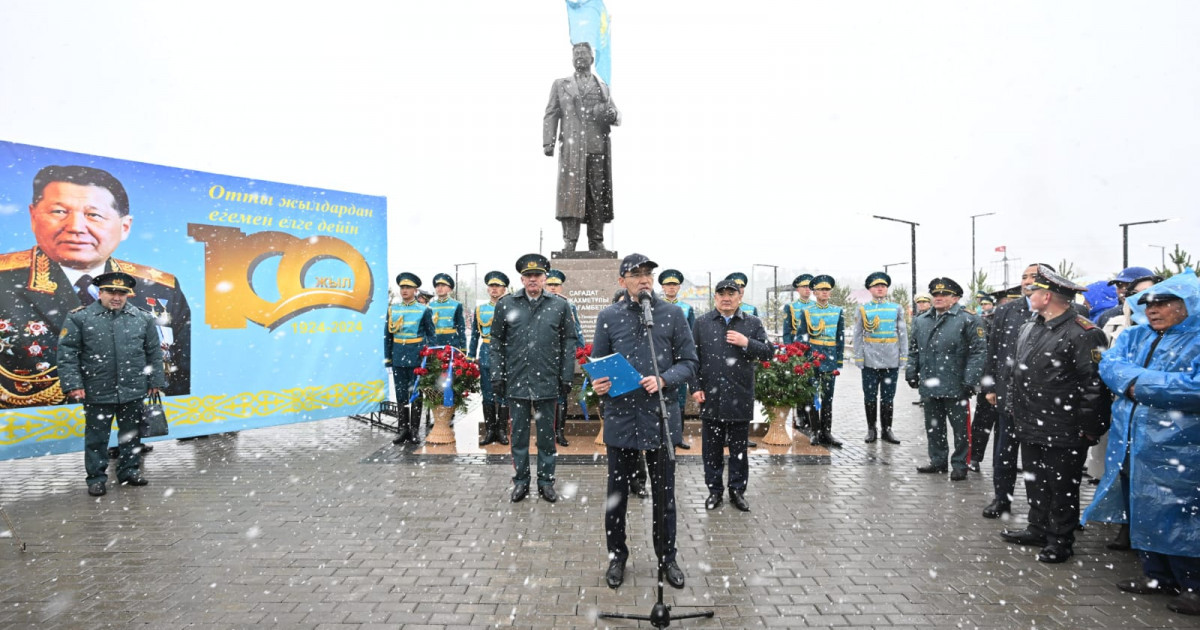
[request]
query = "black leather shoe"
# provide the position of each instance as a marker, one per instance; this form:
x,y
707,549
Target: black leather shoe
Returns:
x,y
1023,537
997,508
1055,554
750,444
548,493
871,436
519,492
958,475
135,480
561,438
738,501
97,489
146,448
889,437
674,575
615,574
713,501
832,441
401,437
639,489
930,469
1147,586
684,445
973,467
503,440
1186,604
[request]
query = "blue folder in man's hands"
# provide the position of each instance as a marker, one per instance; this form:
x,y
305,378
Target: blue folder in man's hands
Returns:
x,y
617,368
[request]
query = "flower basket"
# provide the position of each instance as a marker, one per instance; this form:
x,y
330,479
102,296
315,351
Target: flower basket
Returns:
x,y
433,377
789,379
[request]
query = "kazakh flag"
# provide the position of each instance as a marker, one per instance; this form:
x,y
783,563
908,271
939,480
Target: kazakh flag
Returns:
x,y
590,22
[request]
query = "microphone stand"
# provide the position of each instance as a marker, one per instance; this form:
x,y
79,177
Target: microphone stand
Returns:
x,y
660,613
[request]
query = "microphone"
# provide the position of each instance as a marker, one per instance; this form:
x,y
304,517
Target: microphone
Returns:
x,y
647,311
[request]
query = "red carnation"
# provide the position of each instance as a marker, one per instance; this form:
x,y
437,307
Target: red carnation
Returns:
x,y
458,372
837,372
799,369
766,365
420,371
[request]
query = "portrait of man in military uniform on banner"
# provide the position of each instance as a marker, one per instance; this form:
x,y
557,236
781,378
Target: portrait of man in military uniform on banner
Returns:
x,y
79,215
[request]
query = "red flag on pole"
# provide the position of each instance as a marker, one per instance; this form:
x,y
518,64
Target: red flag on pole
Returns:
x,y
1002,248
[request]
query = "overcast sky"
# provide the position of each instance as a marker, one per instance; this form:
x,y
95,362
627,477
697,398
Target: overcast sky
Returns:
x,y
753,132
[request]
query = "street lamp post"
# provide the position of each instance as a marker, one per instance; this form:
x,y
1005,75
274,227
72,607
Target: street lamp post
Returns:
x,y
1125,238
973,217
456,266
913,231
774,286
1163,250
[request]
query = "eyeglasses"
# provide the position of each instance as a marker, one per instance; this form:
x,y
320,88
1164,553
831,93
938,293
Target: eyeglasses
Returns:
x,y
639,274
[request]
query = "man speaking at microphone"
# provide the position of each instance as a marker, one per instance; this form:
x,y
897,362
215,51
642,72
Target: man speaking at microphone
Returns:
x,y
631,421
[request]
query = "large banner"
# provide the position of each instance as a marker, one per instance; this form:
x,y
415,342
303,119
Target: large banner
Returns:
x,y
270,298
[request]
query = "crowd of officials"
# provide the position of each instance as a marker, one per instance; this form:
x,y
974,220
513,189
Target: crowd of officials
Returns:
x,y
1041,377
1048,382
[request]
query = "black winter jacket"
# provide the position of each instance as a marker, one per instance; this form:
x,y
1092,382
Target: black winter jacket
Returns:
x,y
726,373
1055,393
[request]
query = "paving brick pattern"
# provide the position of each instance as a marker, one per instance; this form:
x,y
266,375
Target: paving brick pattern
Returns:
x,y
326,525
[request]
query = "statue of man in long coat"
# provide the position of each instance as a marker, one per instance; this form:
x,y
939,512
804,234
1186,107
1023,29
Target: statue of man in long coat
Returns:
x,y
580,113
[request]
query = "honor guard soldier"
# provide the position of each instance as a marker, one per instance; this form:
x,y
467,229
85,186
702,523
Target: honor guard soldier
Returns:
x,y
1061,407
825,329
449,325
554,286
495,412
533,363
109,359
880,349
671,280
409,329
946,353
741,280
793,321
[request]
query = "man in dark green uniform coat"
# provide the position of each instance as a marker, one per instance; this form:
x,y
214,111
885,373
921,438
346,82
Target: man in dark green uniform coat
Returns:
x,y
533,361
109,358
946,353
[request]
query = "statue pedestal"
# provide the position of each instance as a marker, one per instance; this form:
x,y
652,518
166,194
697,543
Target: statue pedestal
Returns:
x,y
591,283
584,255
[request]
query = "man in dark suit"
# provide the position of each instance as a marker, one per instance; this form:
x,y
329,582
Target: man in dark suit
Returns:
x,y
1002,348
79,216
632,420
729,344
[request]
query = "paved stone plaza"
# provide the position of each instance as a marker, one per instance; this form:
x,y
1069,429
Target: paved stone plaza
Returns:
x,y
326,525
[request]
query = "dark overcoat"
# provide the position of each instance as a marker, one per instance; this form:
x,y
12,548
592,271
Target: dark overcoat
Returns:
x,y
571,122
726,373
631,420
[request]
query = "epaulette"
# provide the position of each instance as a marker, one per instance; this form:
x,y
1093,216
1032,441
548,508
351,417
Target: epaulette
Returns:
x,y
145,273
1084,322
16,260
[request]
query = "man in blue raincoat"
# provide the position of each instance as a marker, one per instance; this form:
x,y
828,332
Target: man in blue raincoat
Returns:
x,y
1154,445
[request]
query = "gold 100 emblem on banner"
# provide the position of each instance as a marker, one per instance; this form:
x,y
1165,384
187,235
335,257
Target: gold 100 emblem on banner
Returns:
x,y
231,256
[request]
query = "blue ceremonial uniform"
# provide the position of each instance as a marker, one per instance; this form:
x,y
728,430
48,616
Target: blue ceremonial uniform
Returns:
x,y
825,330
481,349
749,309
409,329
793,320
450,327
